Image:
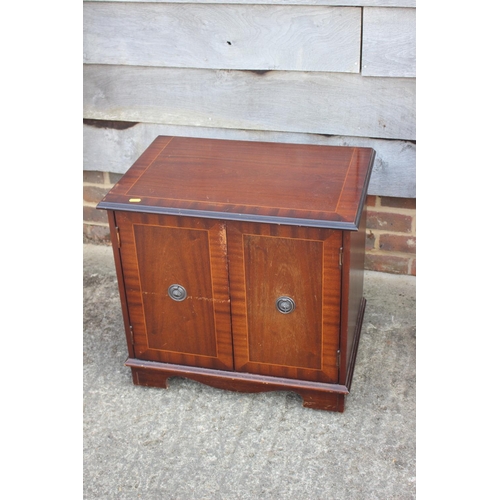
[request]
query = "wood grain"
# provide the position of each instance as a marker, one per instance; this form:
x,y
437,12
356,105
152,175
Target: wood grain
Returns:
x,y
389,42
121,284
235,337
298,262
295,184
248,37
291,101
158,251
352,291
360,3
317,395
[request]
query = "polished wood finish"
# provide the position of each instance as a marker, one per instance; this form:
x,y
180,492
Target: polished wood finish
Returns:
x,y
270,261
321,186
159,251
119,278
315,395
352,290
239,224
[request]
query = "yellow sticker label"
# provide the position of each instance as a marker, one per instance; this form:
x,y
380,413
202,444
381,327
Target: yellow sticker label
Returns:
x,y
134,200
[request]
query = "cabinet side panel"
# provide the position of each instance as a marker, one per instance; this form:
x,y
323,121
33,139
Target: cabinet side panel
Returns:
x,y
353,278
119,277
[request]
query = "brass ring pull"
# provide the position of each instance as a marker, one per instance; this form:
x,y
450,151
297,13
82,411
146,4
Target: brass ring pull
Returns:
x,y
177,292
285,305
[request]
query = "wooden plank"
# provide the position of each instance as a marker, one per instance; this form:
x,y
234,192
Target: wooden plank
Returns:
x,y
116,149
291,101
355,3
260,37
389,42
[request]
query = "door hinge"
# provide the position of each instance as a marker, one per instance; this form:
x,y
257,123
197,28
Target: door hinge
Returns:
x,y
118,239
338,358
132,334
341,256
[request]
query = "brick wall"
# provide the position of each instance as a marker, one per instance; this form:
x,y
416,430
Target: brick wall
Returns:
x,y
391,232
95,222
391,235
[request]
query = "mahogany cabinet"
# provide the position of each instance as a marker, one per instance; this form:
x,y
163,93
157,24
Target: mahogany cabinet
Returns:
x,y
240,264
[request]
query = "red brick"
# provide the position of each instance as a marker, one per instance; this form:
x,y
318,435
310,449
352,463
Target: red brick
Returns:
x,y
390,221
371,200
93,194
96,234
91,214
386,263
387,201
413,270
93,177
397,243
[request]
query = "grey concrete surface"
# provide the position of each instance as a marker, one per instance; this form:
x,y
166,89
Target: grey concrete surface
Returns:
x,y
193,442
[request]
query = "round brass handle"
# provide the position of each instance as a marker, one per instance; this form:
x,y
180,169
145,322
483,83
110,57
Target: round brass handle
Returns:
x,y
177,292
285,305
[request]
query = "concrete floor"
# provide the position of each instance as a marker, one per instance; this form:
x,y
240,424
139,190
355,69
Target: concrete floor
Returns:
x,y
193,442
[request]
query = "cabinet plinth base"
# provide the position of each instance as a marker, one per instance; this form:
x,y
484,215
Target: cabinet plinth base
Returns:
x,y
315,395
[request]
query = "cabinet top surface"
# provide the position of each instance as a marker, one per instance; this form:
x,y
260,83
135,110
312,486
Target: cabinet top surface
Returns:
x,y
322,186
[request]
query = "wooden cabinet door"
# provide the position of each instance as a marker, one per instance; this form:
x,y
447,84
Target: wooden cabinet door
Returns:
x,y
192,325
266,262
